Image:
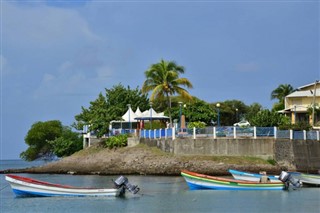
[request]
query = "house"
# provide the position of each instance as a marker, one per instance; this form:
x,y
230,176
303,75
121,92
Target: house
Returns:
x,y
303,104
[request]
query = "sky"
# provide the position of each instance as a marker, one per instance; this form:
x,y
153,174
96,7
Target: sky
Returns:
x,y
57,56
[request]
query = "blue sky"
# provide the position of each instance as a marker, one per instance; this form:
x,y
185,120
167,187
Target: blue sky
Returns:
x,y
57,56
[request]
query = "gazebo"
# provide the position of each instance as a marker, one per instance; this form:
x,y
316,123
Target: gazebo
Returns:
x,y
135,120
150,115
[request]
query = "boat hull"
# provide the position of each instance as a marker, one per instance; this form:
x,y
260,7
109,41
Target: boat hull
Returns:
x,y
197,181
308,179
22,186
240,175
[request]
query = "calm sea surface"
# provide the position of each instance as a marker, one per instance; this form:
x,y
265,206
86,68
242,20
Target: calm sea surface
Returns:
x,y
157,194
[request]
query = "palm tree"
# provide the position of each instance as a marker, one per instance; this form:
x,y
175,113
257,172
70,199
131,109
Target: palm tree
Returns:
x,y
281,92
163,80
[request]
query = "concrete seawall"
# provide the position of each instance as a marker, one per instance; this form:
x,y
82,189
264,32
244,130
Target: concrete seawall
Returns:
x,y
298,155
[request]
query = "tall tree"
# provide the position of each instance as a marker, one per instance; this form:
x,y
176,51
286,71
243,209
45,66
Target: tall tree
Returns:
x,y
38,138
164,81
280,93
110,107
231,111
195,111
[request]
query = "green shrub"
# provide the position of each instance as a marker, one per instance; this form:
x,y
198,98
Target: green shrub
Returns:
x,y
196,124
117,141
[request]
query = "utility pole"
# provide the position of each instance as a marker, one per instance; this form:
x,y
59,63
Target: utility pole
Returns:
x,y
314,98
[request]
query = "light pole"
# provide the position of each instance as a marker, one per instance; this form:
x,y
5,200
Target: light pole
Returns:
x,y
237,114
129,107
180,104
218,109
150,115
295,114
313,102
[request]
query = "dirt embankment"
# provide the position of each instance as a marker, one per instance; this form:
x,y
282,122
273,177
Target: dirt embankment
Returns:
x,y
144,160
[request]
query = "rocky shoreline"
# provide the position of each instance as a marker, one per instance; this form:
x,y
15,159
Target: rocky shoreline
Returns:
x,y
143,160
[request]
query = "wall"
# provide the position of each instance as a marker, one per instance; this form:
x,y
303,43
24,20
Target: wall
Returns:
x,y
291,154
301,155
263,148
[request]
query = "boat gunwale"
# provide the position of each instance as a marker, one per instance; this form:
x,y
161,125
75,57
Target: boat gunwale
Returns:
x,y
227,181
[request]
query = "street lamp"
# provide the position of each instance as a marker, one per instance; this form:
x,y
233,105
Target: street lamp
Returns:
x,y
180,104
237,114
129,107
218,108
295,114
313,104
150,115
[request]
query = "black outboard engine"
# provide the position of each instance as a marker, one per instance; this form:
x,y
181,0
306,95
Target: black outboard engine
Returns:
x,y
288,180
123,182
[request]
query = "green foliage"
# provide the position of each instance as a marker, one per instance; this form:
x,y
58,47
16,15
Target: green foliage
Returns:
x,y
252,111
196,124
38,138
278,106
272,161
164,81
110,107
195,110
267,118
297,127
50,138
280,93
69,143
228,111
155,125
117,141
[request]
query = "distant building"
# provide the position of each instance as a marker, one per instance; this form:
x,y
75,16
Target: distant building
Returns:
x,y
303,105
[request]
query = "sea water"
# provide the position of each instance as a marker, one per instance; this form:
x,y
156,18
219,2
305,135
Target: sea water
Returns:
x,y
157,194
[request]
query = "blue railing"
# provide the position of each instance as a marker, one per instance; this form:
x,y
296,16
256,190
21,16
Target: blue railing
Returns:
x,y
222,131
231,132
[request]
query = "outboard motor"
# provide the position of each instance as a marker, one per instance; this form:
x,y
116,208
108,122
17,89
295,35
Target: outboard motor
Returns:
x,y
123,182
288,180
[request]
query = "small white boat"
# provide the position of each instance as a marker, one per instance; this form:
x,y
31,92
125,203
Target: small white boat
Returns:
x,y
240,175
23,186
309,179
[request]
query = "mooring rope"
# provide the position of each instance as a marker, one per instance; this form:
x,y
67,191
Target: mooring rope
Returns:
x,y
4,187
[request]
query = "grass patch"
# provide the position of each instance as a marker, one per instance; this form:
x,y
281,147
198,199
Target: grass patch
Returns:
x,y
238,160
88,151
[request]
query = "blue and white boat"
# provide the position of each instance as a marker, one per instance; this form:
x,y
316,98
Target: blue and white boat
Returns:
x,y
308,179
198,181
240,175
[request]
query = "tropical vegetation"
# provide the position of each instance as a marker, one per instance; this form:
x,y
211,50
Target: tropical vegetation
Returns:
x,y
109,107
50,138
168,93
163,79
280,93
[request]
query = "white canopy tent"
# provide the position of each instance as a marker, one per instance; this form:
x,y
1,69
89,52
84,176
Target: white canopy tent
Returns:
x,y
131,117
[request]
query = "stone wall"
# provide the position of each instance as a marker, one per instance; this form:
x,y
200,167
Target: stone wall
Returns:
x,y
283,153
291,154
225,147
263,148
301,149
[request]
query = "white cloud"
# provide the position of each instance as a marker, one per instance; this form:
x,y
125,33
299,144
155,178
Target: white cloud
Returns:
x,y
70,80
44,26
